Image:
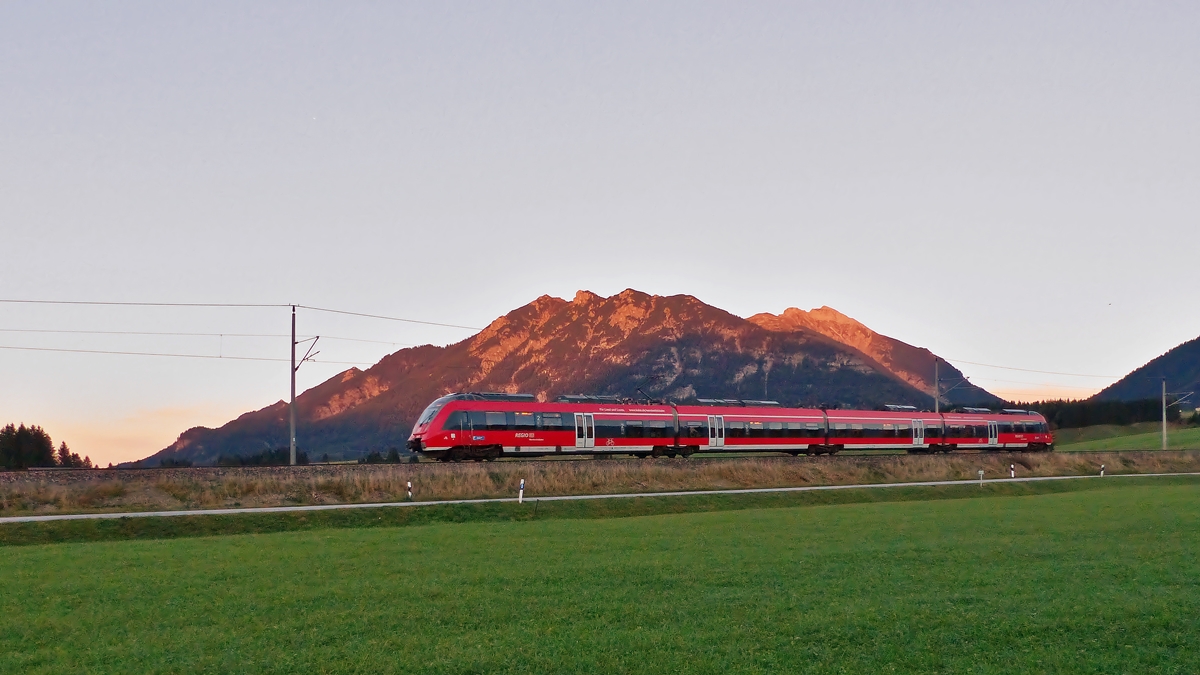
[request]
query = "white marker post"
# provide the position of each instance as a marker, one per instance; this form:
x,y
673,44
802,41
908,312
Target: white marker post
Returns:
x,y
1012,470
410,490
521,494
981,478
1102,471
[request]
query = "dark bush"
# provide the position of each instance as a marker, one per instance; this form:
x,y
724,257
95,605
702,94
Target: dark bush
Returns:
x,y
276,457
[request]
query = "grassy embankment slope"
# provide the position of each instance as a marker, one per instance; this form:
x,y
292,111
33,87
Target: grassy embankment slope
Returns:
x,y
25,493
1103,580
1140,436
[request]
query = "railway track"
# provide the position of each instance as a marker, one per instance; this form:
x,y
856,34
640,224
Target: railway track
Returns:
x,y
780,457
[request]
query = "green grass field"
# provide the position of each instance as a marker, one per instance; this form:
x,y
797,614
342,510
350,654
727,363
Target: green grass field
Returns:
x,y
1143,436
1104,580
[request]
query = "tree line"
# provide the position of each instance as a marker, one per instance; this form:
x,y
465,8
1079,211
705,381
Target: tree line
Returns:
x,y
24,447
1066,414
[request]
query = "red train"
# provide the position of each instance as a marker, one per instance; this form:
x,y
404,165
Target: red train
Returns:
x,y
484,426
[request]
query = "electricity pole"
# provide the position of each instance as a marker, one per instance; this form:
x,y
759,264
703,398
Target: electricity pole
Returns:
x,y
296,366
292,407
936,387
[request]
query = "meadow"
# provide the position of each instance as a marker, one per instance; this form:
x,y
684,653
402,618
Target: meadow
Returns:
x,y
1098,580
1144,436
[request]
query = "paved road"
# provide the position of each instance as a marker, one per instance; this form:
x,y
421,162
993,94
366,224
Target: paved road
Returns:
x,y
380,505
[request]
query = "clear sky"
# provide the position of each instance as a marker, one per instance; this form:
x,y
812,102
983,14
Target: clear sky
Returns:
x,y
1004,183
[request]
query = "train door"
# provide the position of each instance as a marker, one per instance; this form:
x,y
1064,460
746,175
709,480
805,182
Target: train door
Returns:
x,y
918,438
993,433
585,430
716,431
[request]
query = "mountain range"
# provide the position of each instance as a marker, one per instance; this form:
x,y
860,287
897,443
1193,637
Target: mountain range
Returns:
x,y
1180,366
632,344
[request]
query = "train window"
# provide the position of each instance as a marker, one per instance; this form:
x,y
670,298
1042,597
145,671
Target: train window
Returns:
x,y
496,421
433,409
735,430
1005,428
840,431
634,429
755,430
456,420
696,430
955,431
477,420
932,431
610,428
657,429
775,429
524,420
874,430
857,431
552,420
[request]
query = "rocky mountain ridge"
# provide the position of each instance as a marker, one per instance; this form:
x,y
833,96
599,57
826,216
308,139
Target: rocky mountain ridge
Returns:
x,y
670,347
914,365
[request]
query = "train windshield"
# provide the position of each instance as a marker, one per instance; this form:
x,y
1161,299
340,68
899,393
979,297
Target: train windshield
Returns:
x,y
427,416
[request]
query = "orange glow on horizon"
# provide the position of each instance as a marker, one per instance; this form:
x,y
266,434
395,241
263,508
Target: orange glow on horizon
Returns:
x,y
138,435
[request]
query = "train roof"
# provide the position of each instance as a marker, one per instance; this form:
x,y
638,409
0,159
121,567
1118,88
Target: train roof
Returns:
x,y
750,406
490,396
737,402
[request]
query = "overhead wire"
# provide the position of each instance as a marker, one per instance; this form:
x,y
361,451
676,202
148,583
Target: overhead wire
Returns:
x,y
950,359
1035,384
185,334
183,356
140,304
235,304
386,318
363,340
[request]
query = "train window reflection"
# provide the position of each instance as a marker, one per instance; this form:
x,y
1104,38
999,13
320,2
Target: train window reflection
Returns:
x,y
496,421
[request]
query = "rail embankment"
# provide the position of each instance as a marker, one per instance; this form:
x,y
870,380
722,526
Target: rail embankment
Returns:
x,y
72,491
